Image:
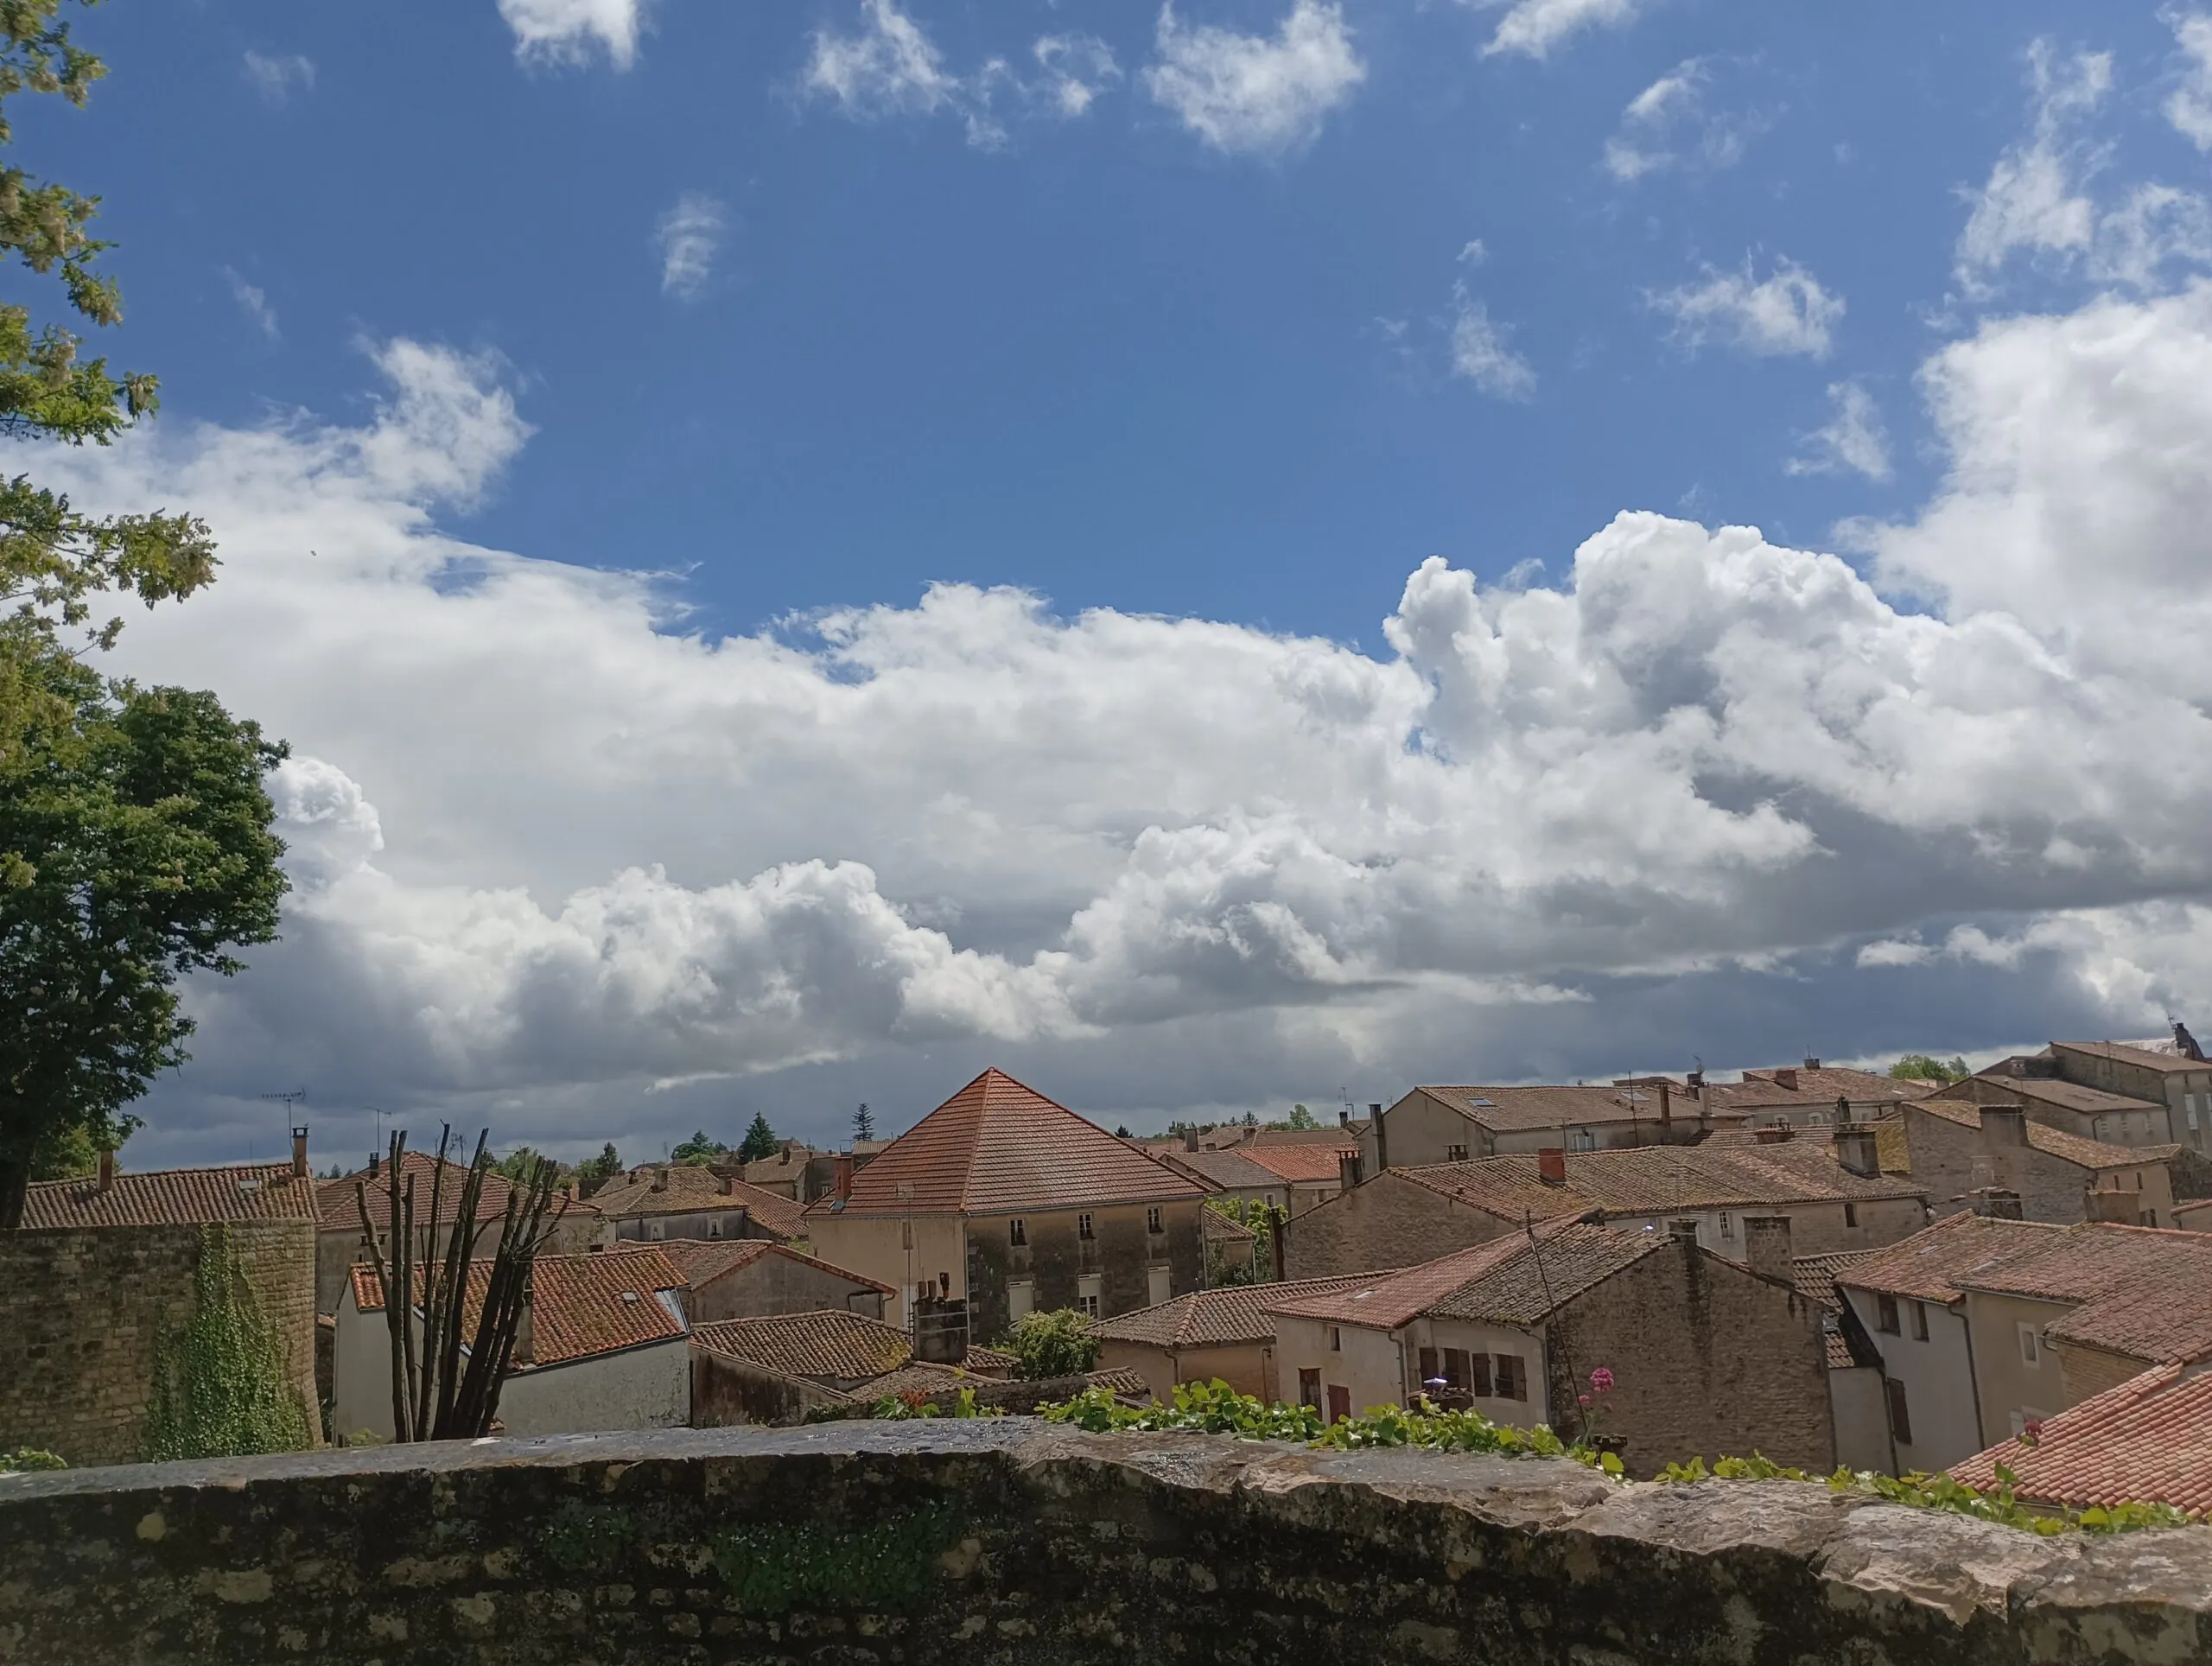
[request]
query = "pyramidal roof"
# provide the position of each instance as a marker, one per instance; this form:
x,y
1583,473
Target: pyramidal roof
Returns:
x,y
999,1148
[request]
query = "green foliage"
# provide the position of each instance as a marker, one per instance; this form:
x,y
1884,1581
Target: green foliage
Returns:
x,y
1225,1266
697,1151
23,1459
1052,1344
921,1403
1919,1490
760,1141
1302,1118
863,1123
1922,1067
521,1164
771,1568
71,1151
594,1172
586,1538
221,1389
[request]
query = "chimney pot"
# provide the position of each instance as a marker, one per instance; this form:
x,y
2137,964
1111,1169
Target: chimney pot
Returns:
x,y
1997,1203
728,1185
1812,1064
1348,1169
1344,1117
1190,1139
107,1171
300,1153
841,1186
1551,1166
376,1164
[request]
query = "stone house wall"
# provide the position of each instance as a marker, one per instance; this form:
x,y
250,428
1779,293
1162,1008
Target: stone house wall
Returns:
x,y
1388,1221
83,1311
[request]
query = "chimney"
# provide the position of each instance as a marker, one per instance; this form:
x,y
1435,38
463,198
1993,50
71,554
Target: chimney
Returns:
x,y
1778,1134
1349,1166
1812,1064
1766,1246
1683,1232
1381,1138
841,1186
300,1153
525,1348
376,1164
2117,1208
1666,1114
1856,1150
1551,1166
1278,1221
1786,1078
660,1176
2185,1044
107,1170
1344,1117
2005,1125
1191,1138
1996,1203
728,1185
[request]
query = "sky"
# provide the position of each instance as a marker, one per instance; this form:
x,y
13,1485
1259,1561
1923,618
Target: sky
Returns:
x,y
1256,552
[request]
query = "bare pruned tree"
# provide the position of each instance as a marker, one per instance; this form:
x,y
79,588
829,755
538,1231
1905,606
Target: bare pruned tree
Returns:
x,y
436,1394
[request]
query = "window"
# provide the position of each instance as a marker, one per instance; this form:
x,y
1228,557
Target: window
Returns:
x,y
1816,1119
657,1229
1158,1286
1431,1368
1920,1321
1309,1389
1336,1339
1020,1298
1339,1403
1153,1224
714,1228
1851,1214
1455,1153
1017,1232
906,1235
1900,1419
1478,1368
2031,1346
1727,1225
1886,1315
1090,1305
1512,1377
1083,1227
1581,1139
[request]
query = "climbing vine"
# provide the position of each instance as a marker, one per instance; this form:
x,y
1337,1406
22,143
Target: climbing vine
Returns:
x,y
772,1569
221,1385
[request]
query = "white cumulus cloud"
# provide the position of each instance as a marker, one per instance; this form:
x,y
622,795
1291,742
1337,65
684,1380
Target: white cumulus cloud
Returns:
x,y
1786,313
2189,106
1256,94
1671,125
889,66
1853,440
1075,69
687,239
572,31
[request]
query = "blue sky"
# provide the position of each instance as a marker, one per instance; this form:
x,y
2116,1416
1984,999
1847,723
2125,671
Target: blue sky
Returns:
x,y
777,317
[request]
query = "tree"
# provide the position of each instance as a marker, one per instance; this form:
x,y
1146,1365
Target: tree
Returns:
x,y
134,826
1300,1117
594,1172
863,1124
698,1151
521,1165
1054,1343
760,1141
1921,1067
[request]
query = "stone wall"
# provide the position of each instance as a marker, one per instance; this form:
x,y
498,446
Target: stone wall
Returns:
x,y
1003,1542
83,1310
1388,1221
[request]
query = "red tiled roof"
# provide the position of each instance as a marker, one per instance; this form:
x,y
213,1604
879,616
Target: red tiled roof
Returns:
x,y
1931,1264
1232,1316
1226,1171
1822,1086
990,1362
2119,1052
340,1213
997,1147
1654,1179
1816,1276
1302,1165
1508,1280
701,1260
2148,1439
829,1344
581,1305
1520,1110
690,1189
172,1196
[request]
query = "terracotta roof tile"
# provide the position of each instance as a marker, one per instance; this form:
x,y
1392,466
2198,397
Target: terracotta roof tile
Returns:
x,y
1520,1110
1233,1315
830,1345
1823,1085
990,1362
581,1305
2150,1439
1930,1264
338,1209
692,1189
999,1148
701,1260
1654,1179
1301,1164
1816,1276
1509,1280
2094,1155
172,1196
1224,1171
2049,1090
1125,1383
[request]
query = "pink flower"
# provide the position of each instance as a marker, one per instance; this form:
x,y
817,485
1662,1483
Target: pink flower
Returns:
x,y
1602,1380
2031,1431
1586,1399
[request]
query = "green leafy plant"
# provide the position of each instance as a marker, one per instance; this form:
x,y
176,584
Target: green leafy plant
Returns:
x,y
23,1459
1919,1490
1923,1067
221,1385
1226,1263
1048,1344
772,1568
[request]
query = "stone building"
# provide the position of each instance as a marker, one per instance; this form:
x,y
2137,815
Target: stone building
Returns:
x,y
778,1369
1986,1325
684,1200
1007,1202
104,1271
1229,1173
1709,1356
576,1226
1404,1215
603,1345
2138,1093
2075,1108
753,1278
1960,1151
1812,1096
1434,1125
1226,1334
